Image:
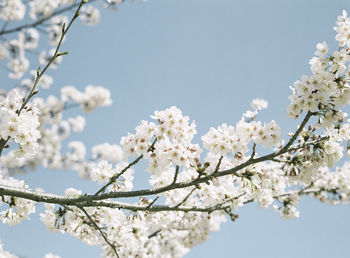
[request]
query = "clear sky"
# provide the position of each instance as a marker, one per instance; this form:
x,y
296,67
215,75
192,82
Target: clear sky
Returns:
x,y
210,58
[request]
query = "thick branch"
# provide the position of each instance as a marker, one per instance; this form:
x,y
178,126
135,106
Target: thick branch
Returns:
x,y
70,201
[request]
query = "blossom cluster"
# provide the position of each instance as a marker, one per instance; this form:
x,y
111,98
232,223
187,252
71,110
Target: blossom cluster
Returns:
x,y
41,128
89,100
327,88
18,209
165,144
226,139
192,189
261,182
19,124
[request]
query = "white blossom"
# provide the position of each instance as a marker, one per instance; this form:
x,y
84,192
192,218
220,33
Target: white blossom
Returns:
x,y
12,10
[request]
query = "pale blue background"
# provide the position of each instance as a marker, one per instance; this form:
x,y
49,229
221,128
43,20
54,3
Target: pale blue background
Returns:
x,y
210,58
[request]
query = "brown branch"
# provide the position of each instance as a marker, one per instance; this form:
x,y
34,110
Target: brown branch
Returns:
x,y
64,200
71,201
296,134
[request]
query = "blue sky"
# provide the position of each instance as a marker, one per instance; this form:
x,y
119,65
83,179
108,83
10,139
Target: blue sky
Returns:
x,y
210,58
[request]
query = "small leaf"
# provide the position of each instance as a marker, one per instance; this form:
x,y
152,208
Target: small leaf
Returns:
x,y
62,54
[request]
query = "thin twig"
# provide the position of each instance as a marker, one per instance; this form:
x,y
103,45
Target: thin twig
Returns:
x,y
39,73
321,139
150,205
116,176
154,233
218,165
176,174
65,107
186,198
100,230
253,152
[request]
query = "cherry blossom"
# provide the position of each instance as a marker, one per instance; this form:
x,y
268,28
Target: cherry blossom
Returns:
x,y
193,187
